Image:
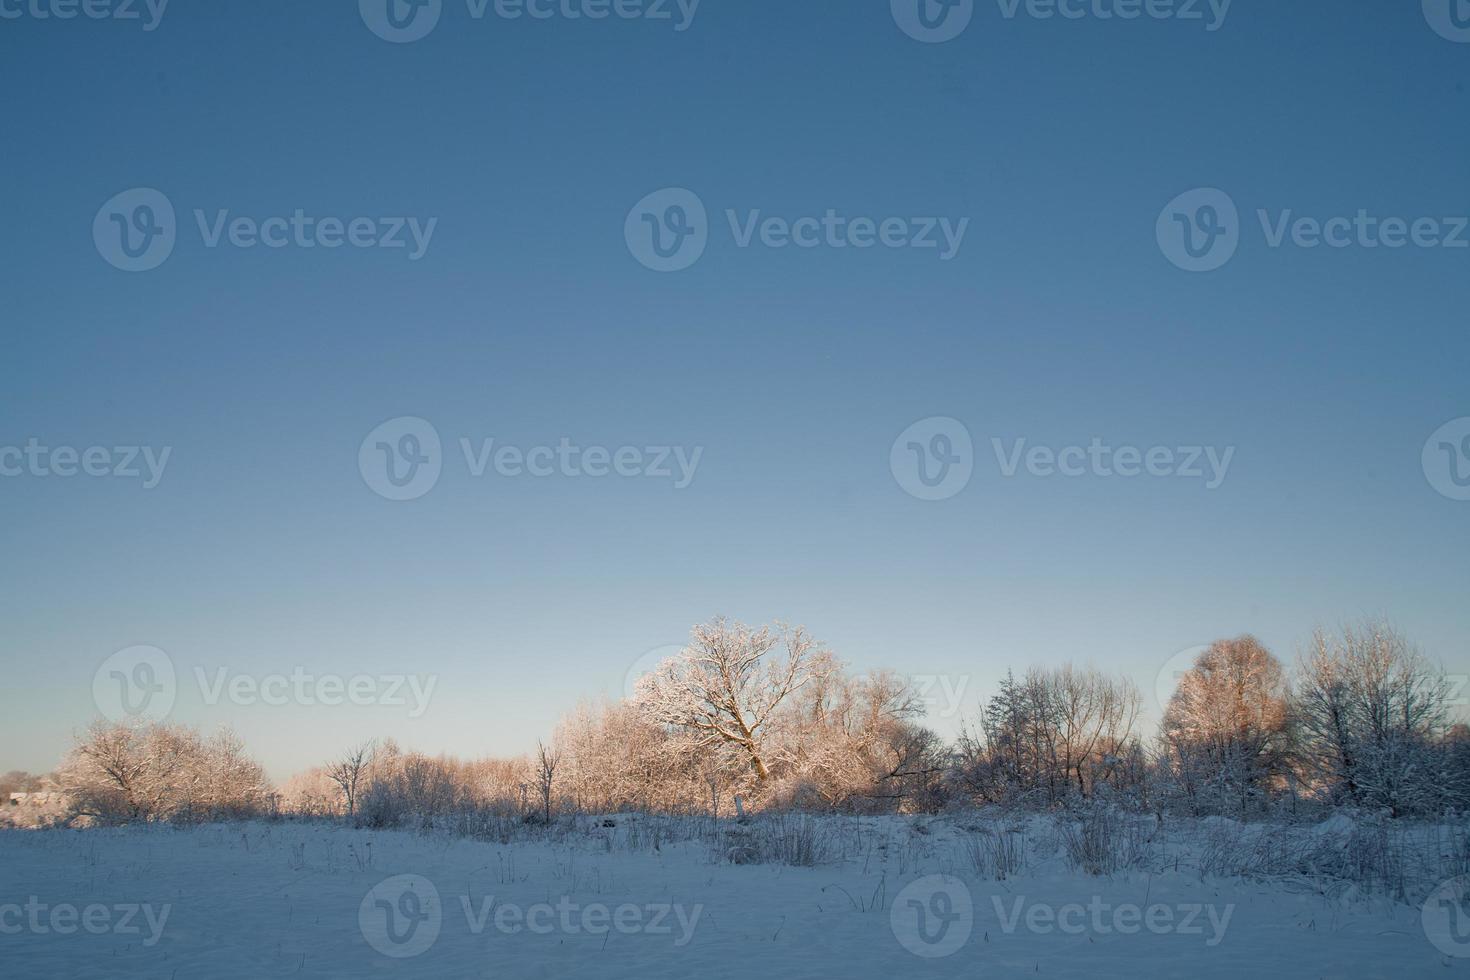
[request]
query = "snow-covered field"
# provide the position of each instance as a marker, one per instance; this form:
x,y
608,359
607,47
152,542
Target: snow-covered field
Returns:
x,y
651,898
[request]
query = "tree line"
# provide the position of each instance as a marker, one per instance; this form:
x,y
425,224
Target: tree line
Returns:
x,y
769,718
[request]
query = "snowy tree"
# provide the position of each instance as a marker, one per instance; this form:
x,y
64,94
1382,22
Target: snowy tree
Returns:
x,y
1456,765
312,793
1371,711
119,773
614,758
1225,729
727,686
855,742
231,783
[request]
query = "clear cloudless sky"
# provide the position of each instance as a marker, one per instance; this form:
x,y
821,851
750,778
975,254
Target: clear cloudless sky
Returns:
x,y
528,321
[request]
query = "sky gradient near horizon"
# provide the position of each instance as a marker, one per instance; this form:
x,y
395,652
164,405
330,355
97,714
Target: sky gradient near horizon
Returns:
x,y
529,319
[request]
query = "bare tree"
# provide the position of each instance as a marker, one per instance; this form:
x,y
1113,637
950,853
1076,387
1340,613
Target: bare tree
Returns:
x,y
547,759
1049,734
1094,718
350,772
909,762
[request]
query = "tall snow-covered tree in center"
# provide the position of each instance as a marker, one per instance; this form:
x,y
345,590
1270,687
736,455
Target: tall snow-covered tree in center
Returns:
x,y
1226,725
729,684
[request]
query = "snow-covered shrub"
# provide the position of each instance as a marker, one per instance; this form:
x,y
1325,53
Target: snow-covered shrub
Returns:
x,y
1104,839
996,852
1371,853
795,839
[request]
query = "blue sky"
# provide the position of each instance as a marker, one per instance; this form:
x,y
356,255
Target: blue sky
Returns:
x,y
528,320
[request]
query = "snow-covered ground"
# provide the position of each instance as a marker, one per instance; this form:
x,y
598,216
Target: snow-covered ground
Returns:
x,y
893,898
